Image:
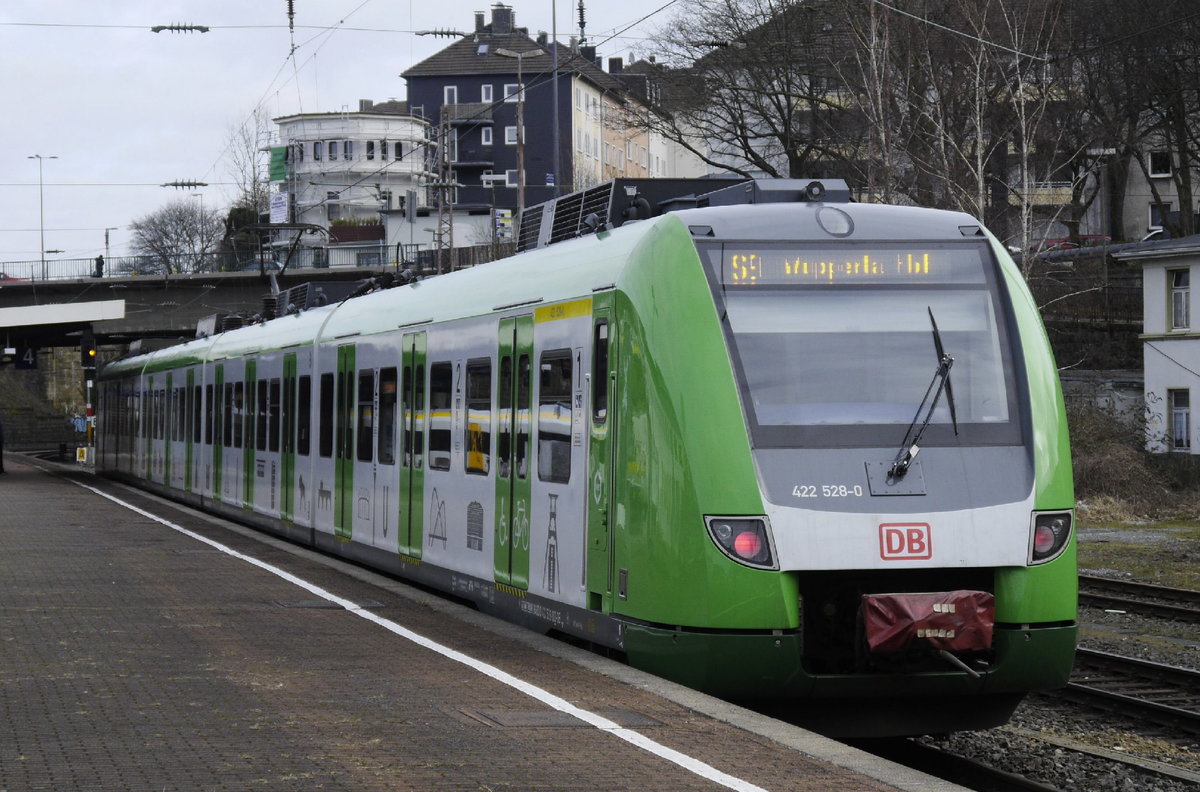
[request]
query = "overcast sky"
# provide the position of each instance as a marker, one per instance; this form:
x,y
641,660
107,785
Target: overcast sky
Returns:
x,y
125,109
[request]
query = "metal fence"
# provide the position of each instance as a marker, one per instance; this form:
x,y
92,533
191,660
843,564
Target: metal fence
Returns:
x,y
417,257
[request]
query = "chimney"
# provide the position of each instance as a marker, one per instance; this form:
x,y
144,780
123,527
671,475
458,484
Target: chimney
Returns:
x,y
589,53
574,43
365,105
543,39
615,65
478,21
502,20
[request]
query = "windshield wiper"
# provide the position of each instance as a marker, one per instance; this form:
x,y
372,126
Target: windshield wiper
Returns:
x,y
909,447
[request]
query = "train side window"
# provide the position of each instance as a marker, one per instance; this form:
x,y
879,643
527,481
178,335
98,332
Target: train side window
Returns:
x,y
554,416
259,410
304,416
239,413
418,433
197,407
386,452
478,430
208,414
441,381
227,413
524,394
325,415
600,373
273,414
160,406
504,431
183,415
366,414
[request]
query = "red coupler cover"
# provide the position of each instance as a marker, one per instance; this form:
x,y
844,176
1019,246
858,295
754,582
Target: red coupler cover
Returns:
x,y
951,620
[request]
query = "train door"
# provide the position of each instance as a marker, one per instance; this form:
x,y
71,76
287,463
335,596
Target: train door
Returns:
x,y
217,414
410,534
514,402
601,456
191,429
287,461
343,478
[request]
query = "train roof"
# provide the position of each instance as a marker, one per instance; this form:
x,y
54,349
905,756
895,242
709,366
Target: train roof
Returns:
x,y
566,271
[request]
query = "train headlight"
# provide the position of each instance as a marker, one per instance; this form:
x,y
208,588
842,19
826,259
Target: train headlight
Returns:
x,y
744,539
1050,534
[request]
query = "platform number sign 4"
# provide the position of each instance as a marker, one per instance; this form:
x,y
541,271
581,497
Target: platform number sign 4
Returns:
x,y
26,358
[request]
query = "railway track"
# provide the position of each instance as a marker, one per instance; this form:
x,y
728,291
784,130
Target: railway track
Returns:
x,y
1162,694
1146,599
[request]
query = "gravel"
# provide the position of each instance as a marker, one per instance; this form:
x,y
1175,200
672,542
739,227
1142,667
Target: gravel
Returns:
x,y
1031,744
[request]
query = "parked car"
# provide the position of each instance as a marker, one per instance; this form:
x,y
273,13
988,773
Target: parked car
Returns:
x,y
6,278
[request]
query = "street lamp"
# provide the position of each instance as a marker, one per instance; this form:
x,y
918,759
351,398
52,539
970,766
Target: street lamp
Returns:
x,y
520,56
42,208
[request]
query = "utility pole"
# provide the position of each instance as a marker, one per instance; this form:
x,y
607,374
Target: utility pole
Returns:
x,y
520,56
41,210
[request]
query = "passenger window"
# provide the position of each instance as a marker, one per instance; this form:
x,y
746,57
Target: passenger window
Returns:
x,y
227,425
239,412
259,409
272,409
196,413
208,414
554,417
440,386
478,439
325,415
504,402
524,394
387,416
304,416
366,415
600,373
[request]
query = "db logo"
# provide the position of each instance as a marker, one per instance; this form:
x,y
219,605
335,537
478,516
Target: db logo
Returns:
x,y
905,541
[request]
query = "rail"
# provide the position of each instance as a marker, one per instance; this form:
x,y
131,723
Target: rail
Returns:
x,y
1154,692
1146,599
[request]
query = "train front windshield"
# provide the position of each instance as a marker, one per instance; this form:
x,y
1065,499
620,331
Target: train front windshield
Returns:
x,y
838,346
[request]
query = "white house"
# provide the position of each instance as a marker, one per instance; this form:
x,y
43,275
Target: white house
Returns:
x,y
1170,342
359,175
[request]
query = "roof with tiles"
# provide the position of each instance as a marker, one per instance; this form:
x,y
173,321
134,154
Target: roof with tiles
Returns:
x,y
475,53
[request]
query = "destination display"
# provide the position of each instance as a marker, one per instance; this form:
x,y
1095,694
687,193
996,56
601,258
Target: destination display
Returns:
x,y
761,266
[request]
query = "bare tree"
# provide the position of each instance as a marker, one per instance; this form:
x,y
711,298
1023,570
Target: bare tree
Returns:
x,y
246,161
177,238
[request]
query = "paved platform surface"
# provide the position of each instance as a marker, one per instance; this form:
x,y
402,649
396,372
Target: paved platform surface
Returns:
x,y
134,656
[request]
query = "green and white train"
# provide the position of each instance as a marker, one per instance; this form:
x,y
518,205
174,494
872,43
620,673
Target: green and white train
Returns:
x,y
773,444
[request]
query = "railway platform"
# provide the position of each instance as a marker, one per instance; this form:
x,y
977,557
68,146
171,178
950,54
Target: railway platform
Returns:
x,y
146,646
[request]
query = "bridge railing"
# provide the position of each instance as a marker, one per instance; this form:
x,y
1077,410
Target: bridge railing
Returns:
x,y
417,257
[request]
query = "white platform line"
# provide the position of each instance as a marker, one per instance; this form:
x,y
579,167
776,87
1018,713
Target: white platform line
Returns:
x,y
689,763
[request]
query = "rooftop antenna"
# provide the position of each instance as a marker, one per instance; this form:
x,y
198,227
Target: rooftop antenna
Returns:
x,y
582,24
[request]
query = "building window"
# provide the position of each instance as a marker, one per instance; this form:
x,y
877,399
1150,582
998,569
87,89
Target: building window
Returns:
x,y
450,94
1181,298
383,149
370,149
510,135
399,150
385,199
485,93
300,153
485,136
348,149
510,177
452,149
317,151
1159,212
1180,419
333,149
1158,163
513,91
